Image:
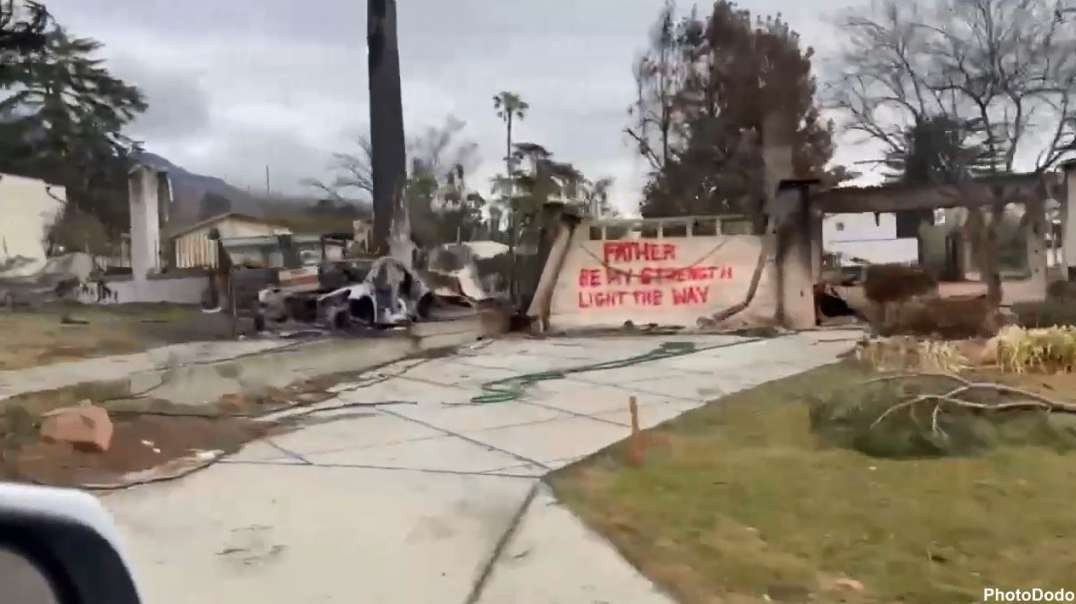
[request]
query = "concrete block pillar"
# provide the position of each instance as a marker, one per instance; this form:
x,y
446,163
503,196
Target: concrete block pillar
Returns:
x,y
817,246
1037,261
142,187
795,260
796,230
1068,206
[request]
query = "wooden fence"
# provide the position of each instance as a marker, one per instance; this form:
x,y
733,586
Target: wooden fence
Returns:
x,y
196,252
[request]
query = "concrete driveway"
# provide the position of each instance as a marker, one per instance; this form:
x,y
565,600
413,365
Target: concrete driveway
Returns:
x,y
434,499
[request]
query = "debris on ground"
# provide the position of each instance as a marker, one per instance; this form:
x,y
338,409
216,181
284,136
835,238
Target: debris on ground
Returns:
x,y
60,278
467,270
177,444
84,427
950,318
848,585
905,300
885,283
389,294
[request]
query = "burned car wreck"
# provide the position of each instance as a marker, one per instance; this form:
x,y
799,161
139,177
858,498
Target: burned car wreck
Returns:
x,y
378,293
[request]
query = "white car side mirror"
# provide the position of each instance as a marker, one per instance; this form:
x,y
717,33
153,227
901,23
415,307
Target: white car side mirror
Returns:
x,y
59,546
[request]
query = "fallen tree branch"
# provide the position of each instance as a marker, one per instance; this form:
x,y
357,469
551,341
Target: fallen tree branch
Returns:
x,y
934,420
902,376
1033,400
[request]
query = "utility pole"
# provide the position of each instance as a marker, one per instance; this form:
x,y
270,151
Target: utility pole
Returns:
x,y
268,189
386,128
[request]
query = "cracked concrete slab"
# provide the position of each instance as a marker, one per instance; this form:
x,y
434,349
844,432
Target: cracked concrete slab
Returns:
x,y
374,430
549,541
465,418
419,502
261,451
550,441
443,453
328,534
599,399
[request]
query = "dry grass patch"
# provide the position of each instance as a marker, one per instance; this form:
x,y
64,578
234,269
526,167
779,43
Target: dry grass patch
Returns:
x,y
40,336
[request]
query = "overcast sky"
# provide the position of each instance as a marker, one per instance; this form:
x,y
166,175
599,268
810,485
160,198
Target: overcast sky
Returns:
x,y
235,85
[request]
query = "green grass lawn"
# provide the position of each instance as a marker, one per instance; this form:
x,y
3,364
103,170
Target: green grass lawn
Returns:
x,y
740,502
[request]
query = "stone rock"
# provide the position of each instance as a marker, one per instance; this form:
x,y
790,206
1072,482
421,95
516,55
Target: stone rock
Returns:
x,y
84,427
848,584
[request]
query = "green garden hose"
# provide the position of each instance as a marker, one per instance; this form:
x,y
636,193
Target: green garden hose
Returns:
x,y
511,388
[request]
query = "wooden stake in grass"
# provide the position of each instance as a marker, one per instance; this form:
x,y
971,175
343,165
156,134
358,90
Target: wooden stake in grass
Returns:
x,y
636,454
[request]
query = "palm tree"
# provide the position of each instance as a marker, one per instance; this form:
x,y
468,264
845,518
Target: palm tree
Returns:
x,y
510,107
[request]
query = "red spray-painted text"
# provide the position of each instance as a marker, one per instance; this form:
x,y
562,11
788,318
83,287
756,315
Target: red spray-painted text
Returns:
x,y
661,284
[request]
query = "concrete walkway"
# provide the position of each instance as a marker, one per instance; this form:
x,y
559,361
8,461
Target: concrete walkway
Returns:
x,y
437,500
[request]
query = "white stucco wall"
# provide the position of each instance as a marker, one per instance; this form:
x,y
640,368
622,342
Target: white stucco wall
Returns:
x,y
886,251
27,210
142,188
867,236
177,290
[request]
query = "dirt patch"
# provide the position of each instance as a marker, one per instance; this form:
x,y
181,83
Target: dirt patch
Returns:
x,y
149,432
139,443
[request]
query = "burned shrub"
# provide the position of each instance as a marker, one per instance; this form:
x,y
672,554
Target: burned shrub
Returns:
x,y
895,283
949,318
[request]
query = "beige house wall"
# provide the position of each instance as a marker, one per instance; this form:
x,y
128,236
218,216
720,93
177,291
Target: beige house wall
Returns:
x,y
196,249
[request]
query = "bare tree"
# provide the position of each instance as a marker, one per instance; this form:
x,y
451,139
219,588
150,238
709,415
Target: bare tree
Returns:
x,y
660,74
1002,71
440,150
437,149
353,172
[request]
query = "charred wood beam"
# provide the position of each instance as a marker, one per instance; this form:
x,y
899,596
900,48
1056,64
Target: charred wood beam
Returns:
x,y
386,120
1016,188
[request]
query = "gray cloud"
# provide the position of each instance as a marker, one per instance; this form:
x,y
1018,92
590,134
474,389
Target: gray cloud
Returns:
x,y
179,107
240,84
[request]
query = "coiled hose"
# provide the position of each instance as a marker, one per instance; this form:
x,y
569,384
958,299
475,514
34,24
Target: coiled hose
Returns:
x,y
512,388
